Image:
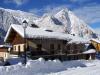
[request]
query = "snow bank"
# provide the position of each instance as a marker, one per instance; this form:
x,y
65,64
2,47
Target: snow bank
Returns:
x,y
45,66
33,67
38,66
92,68
53,67
90,51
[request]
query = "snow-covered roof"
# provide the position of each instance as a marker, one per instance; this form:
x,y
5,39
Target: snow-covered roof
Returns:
x,y
78,40
8,46
90,51
37,33
41,33
96,40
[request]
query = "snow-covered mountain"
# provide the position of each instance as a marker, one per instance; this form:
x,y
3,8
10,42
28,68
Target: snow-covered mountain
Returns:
x,y
66,21
8,17
62,21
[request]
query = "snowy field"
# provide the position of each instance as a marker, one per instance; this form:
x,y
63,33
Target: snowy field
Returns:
x,y
55,67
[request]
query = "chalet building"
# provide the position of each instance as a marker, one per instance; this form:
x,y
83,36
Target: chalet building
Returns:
x,y
79,43
4,52
45,43
96,44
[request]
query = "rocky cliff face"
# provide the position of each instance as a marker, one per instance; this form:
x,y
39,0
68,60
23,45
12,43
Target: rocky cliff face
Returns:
x,y
66,21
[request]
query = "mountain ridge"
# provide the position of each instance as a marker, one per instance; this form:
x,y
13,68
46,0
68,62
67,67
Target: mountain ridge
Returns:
x,y
63,21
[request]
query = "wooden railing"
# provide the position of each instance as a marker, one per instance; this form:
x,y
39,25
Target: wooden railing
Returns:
x,y
63,57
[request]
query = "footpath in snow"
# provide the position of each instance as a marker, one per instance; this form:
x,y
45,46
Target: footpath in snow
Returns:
x,y
55,67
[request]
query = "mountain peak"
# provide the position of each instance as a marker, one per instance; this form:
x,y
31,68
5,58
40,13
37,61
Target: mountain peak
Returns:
x,y
62,12
68,22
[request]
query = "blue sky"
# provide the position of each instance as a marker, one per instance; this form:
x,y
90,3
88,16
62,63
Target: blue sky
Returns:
x,y
87,10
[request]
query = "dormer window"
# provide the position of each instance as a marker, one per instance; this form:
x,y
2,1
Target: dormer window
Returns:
x,y
73,34
34,26
49,30
65,41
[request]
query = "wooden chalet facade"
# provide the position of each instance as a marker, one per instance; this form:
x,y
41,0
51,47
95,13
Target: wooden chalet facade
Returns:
x,y
17,42
52,45
96,44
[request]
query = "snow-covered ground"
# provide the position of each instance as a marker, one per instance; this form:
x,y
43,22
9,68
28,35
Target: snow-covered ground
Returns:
x,y
55,67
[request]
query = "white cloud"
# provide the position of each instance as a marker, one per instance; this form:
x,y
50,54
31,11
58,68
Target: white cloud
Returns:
x,y
17,2
79,1
53,9
35,11
89,13
50,9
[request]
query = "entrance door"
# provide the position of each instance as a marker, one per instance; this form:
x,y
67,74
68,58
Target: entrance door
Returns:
x,y
52,48
39,49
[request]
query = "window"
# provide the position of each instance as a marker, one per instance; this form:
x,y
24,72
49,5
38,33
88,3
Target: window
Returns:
x,y
14,47
75,47
18,50
59,47
65,41
68,47
52,46
34,25
39,47
49,30
71,51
